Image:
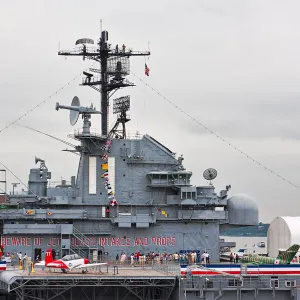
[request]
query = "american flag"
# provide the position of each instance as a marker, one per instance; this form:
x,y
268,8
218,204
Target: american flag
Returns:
x,y
146,70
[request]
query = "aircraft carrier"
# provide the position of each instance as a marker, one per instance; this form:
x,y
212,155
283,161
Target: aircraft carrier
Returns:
x,y
130,194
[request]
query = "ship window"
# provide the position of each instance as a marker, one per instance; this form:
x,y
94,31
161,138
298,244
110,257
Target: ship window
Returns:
x,y
288,283
235,282
274,283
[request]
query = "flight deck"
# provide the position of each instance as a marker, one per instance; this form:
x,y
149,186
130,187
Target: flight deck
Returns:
x,y
101,283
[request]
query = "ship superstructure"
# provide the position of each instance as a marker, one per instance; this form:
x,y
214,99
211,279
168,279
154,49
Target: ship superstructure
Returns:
x,y
129,194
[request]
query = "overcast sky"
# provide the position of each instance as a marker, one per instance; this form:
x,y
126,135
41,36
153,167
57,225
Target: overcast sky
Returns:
x,y
233,65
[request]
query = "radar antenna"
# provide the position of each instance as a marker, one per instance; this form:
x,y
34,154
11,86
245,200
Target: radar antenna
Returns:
x,y
111,76
210,174
76,110
121,106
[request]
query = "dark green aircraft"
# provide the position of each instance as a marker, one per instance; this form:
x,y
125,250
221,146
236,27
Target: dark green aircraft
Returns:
x,y
285,257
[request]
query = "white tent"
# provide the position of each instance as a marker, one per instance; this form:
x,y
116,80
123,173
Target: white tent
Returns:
x,y
283,232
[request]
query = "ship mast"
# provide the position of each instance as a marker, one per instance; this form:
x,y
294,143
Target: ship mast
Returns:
x,y
114,67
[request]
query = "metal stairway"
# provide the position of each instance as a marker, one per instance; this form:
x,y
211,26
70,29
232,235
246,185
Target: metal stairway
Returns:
x,y
83,249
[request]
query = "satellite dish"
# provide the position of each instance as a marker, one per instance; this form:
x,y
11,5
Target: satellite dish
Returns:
x,y
210,174
74,114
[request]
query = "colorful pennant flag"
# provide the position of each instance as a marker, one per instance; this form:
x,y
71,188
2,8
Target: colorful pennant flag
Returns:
x,y
104,166
104,175
108,187
113,202
104,156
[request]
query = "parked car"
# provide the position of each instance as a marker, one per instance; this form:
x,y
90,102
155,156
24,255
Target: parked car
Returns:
x,y
261,244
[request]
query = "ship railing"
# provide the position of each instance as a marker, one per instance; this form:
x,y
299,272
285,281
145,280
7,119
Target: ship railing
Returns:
x,y
167,267
77,250
136,136
19,193
196,283
97,80
78,50
104,228
93,79
52,184
94,132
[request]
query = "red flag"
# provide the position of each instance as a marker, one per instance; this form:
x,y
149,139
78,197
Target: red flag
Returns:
x,y
146,70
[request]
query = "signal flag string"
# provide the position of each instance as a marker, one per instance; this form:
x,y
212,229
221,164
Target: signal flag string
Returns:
x,y
216,135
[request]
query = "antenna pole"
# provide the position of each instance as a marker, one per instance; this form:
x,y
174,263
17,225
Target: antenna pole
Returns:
x,y
100,67
103,82
114,67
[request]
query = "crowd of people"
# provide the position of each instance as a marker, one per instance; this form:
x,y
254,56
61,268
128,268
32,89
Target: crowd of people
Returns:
x,y
140,258
134,259
18,259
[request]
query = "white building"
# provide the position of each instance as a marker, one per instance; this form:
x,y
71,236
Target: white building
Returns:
x,y
283,232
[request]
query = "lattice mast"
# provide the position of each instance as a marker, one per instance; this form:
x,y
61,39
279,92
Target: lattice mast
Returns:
x,y
114,67
120,107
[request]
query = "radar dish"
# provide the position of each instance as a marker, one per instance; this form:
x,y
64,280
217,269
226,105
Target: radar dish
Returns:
x,y
210,174
84,41
74,114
